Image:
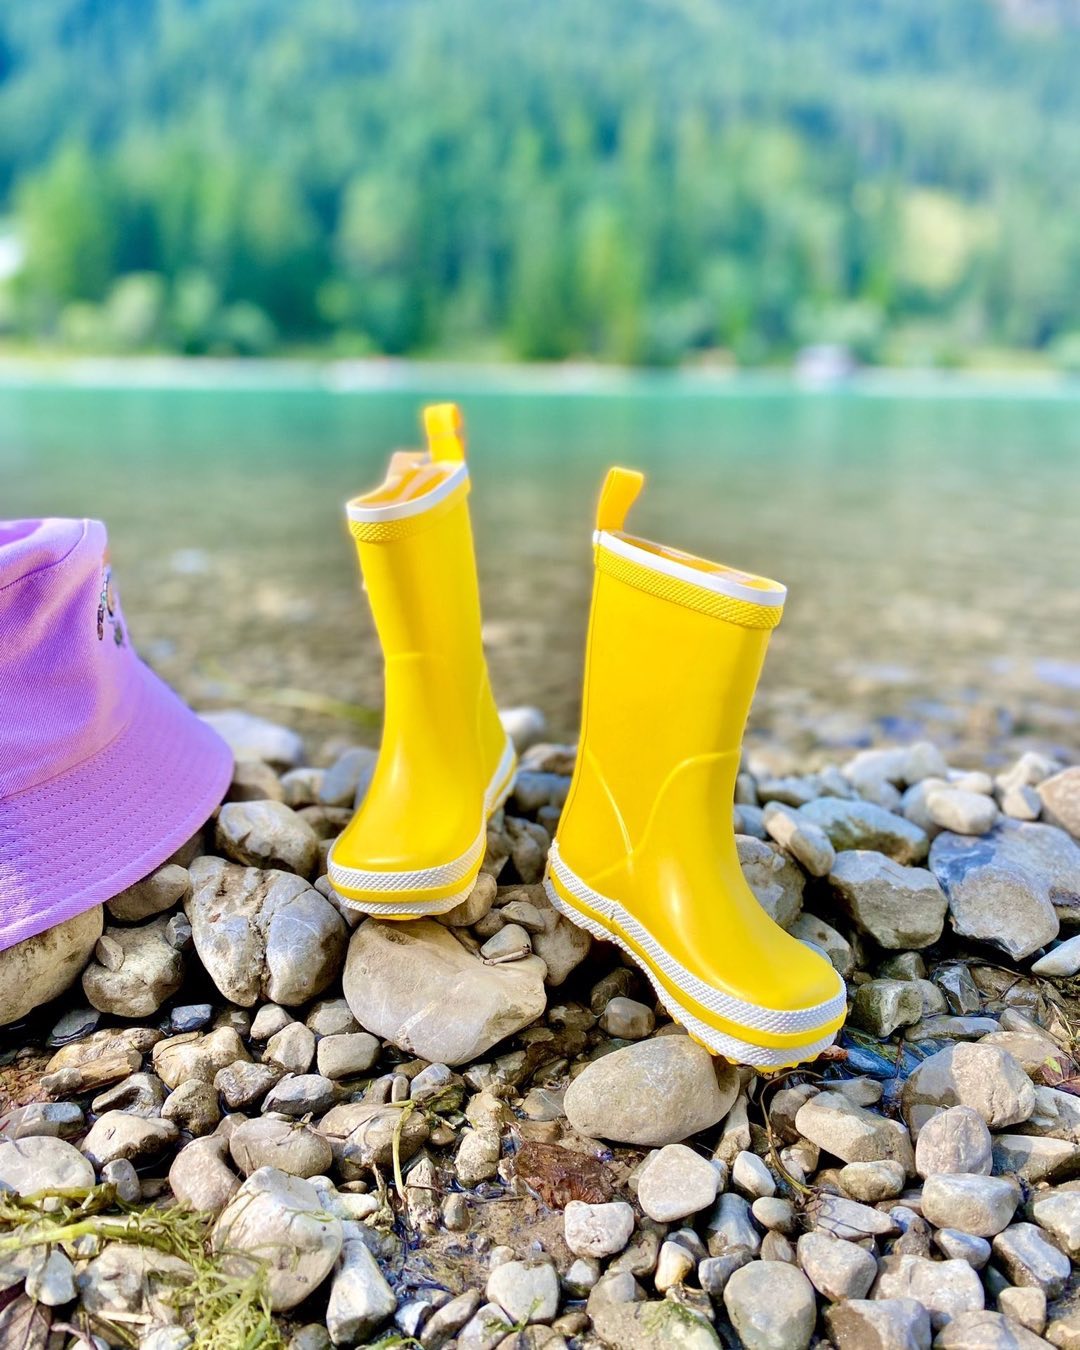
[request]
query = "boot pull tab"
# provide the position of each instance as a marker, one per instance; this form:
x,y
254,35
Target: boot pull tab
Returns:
x,y
444,427
621,487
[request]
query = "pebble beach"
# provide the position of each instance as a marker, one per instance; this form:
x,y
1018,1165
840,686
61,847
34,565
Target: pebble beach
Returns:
x,y
235,1112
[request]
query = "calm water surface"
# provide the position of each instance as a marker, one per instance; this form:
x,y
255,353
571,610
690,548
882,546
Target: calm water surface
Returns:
x,y
930,541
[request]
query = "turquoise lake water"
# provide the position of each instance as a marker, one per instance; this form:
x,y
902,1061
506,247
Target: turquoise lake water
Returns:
x,y
929,535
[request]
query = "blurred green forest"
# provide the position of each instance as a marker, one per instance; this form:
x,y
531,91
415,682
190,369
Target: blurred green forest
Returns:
x,y
649,181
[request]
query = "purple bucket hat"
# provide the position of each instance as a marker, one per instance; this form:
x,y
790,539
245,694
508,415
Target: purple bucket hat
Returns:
x,y
104,773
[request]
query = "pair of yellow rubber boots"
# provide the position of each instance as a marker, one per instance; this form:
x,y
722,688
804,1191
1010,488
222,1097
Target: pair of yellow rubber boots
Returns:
x,y
645,852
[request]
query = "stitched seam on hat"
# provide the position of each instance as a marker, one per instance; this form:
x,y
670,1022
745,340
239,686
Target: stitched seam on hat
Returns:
x,y
35,571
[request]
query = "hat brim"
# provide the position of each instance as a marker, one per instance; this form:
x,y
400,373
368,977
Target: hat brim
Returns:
x,y
87,834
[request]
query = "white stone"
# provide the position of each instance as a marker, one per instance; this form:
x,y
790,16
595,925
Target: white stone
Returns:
x,y
771,1306
654,1092
597,1230
675,1183
275,1222
360,1298
41,968
414,984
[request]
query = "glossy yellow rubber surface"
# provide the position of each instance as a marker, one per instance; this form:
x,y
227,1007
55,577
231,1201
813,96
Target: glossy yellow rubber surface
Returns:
x,y
645,852
417,841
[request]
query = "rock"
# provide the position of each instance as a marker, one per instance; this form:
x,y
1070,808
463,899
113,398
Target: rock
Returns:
x,y
983,1077
154,894
880,1006
191,1017
292,1048
477,1156
637,1326
808,928
117,1134
899,907
776,881
853,1133
849,1219
254,781
971,1202
301,1094
1026,1306
944,1288
808,844
597,1230
332,1017
346,782
750,1176
954,1140
525,726
129,1279
200,1178
57,1120
527,1291
485,1329
250,737
881,1324
1027,1258
263,935
193,1107
864,825
362,1133
962,812
958,1246
1059,1213
274,1222
346,1056
143,1094
268,1141
627,1020
194,1056
675,1183
1060,796
1021,803
41,968
673,1266
562,947
870,1182
616,1097
149,971
121,1174
986,1330
476,905
1056,1114
510,942
837,1269
1032,1049
1035,1159
771,1306
731,1228
992,896
951,1028
267,834
360,1298
415,985
51,1278
244,1084
1061,961
43,1163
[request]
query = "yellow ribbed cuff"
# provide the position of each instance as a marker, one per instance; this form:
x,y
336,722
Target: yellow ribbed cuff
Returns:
x,y
744,613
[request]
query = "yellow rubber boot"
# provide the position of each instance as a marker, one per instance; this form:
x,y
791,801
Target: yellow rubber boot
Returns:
x,y
645,852
445,764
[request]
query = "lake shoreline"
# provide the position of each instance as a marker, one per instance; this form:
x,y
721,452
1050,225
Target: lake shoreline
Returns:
x,y
567,378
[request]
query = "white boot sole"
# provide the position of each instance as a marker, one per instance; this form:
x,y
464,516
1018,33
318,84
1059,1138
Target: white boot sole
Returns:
x,y
464,868
735,1010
